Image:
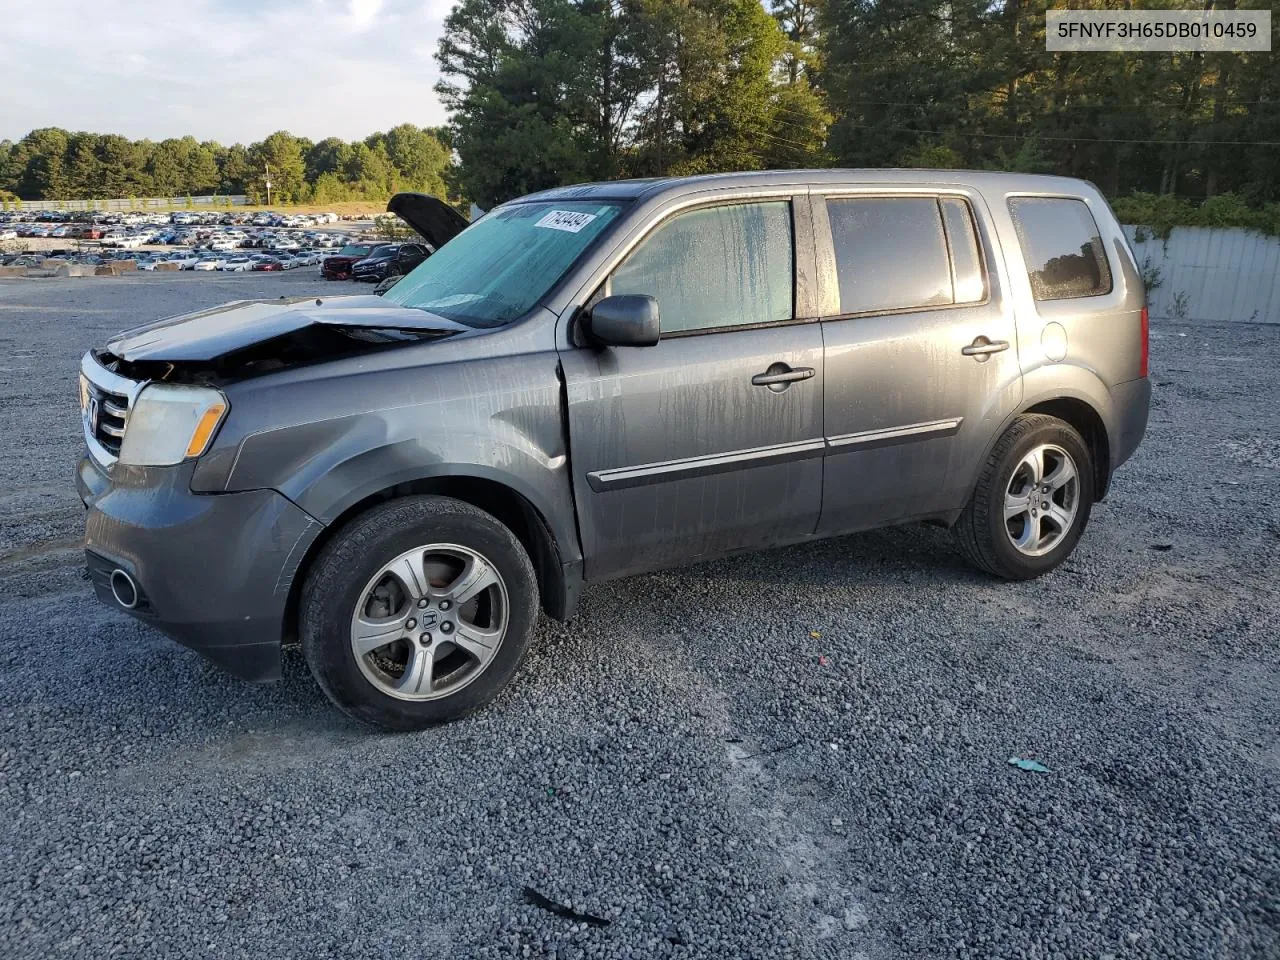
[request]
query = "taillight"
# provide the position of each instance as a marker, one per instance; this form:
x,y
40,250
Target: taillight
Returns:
x,y
1145,360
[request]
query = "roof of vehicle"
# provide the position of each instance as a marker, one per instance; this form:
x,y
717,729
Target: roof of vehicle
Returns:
x,y
984,180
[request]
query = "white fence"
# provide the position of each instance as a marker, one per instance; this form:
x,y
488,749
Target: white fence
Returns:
x,y
1212,275
132,203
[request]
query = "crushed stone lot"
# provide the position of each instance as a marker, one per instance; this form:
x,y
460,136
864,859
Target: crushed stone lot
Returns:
x,y
802,753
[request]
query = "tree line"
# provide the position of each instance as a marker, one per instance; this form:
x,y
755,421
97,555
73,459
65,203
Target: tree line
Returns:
x,y
55,164
547,92
544,92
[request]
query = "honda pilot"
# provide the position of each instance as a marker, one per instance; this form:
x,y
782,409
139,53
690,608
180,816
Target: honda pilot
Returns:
x,y
602,380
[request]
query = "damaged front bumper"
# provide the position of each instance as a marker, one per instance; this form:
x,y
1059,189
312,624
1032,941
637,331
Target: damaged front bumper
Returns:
x,y
214,572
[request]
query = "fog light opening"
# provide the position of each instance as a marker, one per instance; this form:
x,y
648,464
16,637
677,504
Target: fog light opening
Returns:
x,y
124,589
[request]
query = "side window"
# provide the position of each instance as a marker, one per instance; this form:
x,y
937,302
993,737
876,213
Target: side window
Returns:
x,y
1062,246
716,267
891,253
967,272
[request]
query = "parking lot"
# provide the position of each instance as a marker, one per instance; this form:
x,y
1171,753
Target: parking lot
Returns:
x,y
802,753
209,241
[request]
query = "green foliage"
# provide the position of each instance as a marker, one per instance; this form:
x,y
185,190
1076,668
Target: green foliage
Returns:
x,y
903,76
1151,278
52,164
1163,213
277,161
932,156
547,92
797,136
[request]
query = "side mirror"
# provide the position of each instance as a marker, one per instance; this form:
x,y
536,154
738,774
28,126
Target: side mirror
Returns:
x,y
626,320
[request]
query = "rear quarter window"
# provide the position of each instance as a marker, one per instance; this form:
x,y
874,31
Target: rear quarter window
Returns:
x,y
1062,246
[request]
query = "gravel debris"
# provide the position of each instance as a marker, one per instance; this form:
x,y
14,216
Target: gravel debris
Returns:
x,y
802,753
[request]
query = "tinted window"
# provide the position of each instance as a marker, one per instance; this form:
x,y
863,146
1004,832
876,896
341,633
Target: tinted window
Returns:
x,y
1062,247
715,267
890,253
966,262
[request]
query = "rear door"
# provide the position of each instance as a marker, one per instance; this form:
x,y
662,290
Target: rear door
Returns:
x,y
711,440
921,352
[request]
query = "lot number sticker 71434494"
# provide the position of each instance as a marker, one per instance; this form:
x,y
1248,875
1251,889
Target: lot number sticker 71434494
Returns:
x,y
565,220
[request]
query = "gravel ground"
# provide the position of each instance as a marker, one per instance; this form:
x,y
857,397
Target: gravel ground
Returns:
x,y
795,754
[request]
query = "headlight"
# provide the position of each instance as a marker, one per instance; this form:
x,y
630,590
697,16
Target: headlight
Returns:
x,y
170,422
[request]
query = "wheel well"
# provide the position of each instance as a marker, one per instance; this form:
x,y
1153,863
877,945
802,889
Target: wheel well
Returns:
x,y
1085,419
511,509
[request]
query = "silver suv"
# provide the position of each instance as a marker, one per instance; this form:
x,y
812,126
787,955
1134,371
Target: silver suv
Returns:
x,y
601,380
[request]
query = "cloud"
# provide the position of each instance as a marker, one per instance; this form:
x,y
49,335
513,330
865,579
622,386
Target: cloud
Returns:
x,y
363,13
226,70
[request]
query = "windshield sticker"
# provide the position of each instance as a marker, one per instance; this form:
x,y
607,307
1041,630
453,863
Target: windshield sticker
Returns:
x,y
565,220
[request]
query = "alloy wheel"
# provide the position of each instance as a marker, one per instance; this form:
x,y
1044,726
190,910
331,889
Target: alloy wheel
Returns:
x,y
1041,500
429,622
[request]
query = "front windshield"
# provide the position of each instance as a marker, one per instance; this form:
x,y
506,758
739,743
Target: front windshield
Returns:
x,y
351,250
505,262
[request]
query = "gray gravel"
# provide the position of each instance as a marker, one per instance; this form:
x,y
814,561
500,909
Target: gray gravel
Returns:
x,y
795,754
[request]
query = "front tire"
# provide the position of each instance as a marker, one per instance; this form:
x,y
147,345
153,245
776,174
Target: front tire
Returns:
x,y
1032,500
418,612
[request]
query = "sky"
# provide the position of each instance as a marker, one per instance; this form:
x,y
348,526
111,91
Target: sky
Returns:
x,y
226,70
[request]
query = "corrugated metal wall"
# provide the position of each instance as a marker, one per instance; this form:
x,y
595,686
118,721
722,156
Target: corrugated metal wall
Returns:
x,y
1212,275
135,203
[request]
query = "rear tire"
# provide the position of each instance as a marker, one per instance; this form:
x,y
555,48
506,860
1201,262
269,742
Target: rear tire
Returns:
x,y
1032,500
418,612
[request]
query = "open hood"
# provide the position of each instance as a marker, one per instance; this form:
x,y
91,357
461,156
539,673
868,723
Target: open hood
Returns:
x,y
210,334
435,220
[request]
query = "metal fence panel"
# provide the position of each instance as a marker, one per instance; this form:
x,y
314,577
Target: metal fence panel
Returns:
x,y
122,205
1211,275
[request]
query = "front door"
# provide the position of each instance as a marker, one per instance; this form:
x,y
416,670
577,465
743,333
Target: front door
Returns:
x,y
921,356
711,440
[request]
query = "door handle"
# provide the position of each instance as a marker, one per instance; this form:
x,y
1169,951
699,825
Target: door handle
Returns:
x,y
982,348
779,375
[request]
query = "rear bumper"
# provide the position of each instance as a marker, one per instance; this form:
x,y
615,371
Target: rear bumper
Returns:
x,y
213,572
1132,404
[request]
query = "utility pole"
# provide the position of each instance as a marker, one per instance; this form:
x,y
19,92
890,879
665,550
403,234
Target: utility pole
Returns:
x,y
268,178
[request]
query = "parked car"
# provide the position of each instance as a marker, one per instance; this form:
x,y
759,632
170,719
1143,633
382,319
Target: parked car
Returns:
x,y
390,260
736,362
24,260
208,263
338,267
236,265
385,285
267,264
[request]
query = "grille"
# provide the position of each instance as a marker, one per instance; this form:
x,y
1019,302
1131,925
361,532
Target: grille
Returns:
x,y
105,399
113,410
